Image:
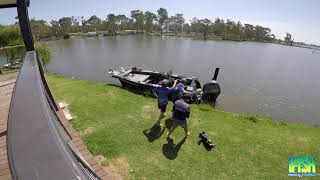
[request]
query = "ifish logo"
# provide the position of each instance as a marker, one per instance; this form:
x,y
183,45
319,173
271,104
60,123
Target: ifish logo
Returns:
x,y
302,166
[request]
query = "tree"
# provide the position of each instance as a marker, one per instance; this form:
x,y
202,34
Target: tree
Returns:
x,y
65,25
44,52
84,25
176,23
187,28
10,36
232,31
94,22
138,17
273,37
123,22
195,25
14,54
40,29
260,33
201,26
149,18
218,27
75,24
249,32
166,25
288,39
239,30
111,23
55,28
162,17
204,27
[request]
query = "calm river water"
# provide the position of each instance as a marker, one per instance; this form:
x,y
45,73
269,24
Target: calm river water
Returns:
x,y
256,78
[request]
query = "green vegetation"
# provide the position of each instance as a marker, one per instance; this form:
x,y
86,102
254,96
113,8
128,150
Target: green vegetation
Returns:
x,y
8,70
16,54
44,52
248,147
10,35
11,40
148,22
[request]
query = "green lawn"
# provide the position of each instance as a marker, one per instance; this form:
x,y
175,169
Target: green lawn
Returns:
x,y
247,147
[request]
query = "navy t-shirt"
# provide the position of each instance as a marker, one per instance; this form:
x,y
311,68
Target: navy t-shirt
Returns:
x,y
181,110
163,94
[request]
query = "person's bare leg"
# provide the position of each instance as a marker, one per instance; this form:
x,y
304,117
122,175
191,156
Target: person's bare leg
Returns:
x,y
186,132
173,127
160,118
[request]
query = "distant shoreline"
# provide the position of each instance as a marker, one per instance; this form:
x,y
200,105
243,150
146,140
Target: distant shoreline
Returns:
x,y
194,36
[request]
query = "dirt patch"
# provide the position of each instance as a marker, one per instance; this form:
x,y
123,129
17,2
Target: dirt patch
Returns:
x,y
303,139
147,111
147,108
88,130
194,122
121,164
110,169
99,158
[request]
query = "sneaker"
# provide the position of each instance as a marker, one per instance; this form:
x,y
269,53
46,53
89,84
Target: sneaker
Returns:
x,y
188,134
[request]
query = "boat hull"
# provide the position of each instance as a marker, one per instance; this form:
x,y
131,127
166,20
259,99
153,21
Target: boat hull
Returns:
x,y
147,90
144,82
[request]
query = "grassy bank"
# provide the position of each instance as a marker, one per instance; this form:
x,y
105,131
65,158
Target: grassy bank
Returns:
x,y
8,70
209,37
192,36
247,147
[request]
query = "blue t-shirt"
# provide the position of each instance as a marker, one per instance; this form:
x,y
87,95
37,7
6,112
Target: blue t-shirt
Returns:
x,y
163,94
177,91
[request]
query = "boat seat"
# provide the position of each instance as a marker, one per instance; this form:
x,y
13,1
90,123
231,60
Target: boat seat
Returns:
x,y
138,77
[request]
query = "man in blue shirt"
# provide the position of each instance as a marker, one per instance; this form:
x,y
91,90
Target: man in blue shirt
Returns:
x,y
163,93
181,111
178,89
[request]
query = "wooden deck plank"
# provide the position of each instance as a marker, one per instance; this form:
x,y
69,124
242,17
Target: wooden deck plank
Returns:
x,y
6,89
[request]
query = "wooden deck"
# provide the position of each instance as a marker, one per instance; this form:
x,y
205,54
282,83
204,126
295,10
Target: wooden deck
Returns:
x,y
7,83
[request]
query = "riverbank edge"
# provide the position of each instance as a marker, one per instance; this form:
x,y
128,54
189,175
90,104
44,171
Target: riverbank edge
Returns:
x,y
206,107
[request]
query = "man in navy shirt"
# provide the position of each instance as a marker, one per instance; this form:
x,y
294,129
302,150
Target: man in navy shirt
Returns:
x,y
163,93
181,111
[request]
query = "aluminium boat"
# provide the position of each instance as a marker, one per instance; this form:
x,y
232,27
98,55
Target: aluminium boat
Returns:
x,y
144,82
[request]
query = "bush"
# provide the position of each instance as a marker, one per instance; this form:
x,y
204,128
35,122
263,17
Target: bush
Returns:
x,y
44,52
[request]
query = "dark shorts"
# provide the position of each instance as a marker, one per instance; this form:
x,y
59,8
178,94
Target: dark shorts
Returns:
x,y
162,107
181,123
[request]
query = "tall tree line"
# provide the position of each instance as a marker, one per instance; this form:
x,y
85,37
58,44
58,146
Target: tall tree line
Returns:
x,y
148,22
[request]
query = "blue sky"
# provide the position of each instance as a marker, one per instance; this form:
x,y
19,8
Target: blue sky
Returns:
x,y
299,17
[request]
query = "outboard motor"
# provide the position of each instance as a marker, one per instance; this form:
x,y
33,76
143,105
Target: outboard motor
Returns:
x,y
211,90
